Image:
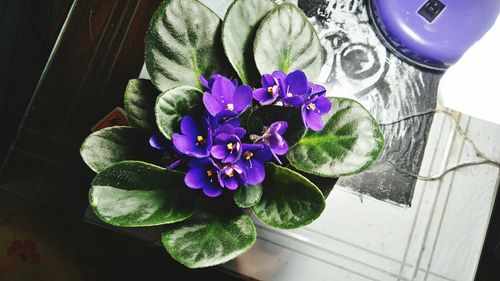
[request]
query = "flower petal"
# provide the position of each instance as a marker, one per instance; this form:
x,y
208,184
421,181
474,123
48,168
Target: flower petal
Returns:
x,y
233,156
303,112
222,137
175,164
183,144
223,90
204,82
189,126
224,129
235,122
279,127
226,114
264,154
235,82
219,151
281,77
158,141
297,82
240,132
200,151
267,81
212,190
231,183
318,90
313,121
255,172
281,148
323,105
196,178
295,100
261,94
242,98
211,104
251,146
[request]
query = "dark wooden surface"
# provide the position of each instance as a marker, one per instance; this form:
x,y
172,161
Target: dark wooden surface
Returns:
x,y
28,30
100,48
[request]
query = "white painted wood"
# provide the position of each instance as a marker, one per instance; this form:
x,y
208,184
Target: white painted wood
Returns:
x,y
439,237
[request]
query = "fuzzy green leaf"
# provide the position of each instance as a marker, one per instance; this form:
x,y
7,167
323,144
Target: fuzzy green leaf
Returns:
x,y
286,40
348,144
246,197
182,43
172,105
111,145
324,184
139,102
289,200
133,193
238,33
209,238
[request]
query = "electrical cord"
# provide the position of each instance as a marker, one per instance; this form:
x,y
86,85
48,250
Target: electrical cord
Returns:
x,y
458,128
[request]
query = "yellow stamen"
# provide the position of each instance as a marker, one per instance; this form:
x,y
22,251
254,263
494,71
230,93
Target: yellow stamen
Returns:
x,y
230,146
230,106
311,106
231,174
199,138
209,173
270,90
248,155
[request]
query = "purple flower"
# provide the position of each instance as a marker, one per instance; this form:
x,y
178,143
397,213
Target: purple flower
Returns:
x,y
204,174
196,138
273,138
227,99
232,176
227,148
269,91
295,88
252,160
315,106
208,83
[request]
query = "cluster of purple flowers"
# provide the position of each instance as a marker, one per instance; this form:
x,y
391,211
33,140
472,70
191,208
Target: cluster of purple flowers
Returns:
x,y
294,90
219,152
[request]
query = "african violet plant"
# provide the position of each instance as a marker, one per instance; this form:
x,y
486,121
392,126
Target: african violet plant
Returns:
x,y
230,123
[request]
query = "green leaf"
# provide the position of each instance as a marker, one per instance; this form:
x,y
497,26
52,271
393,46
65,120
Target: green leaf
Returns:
x,y
289,199
286,40
182,43
246,197
133,193
266,115
238,33
172,105
111,145
324,184
209,238
348,144
140,98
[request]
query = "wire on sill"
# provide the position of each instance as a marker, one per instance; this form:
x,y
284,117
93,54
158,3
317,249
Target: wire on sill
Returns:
x,y
458,128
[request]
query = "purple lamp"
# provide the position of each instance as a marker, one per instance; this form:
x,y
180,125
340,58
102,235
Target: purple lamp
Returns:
x,y
432,33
